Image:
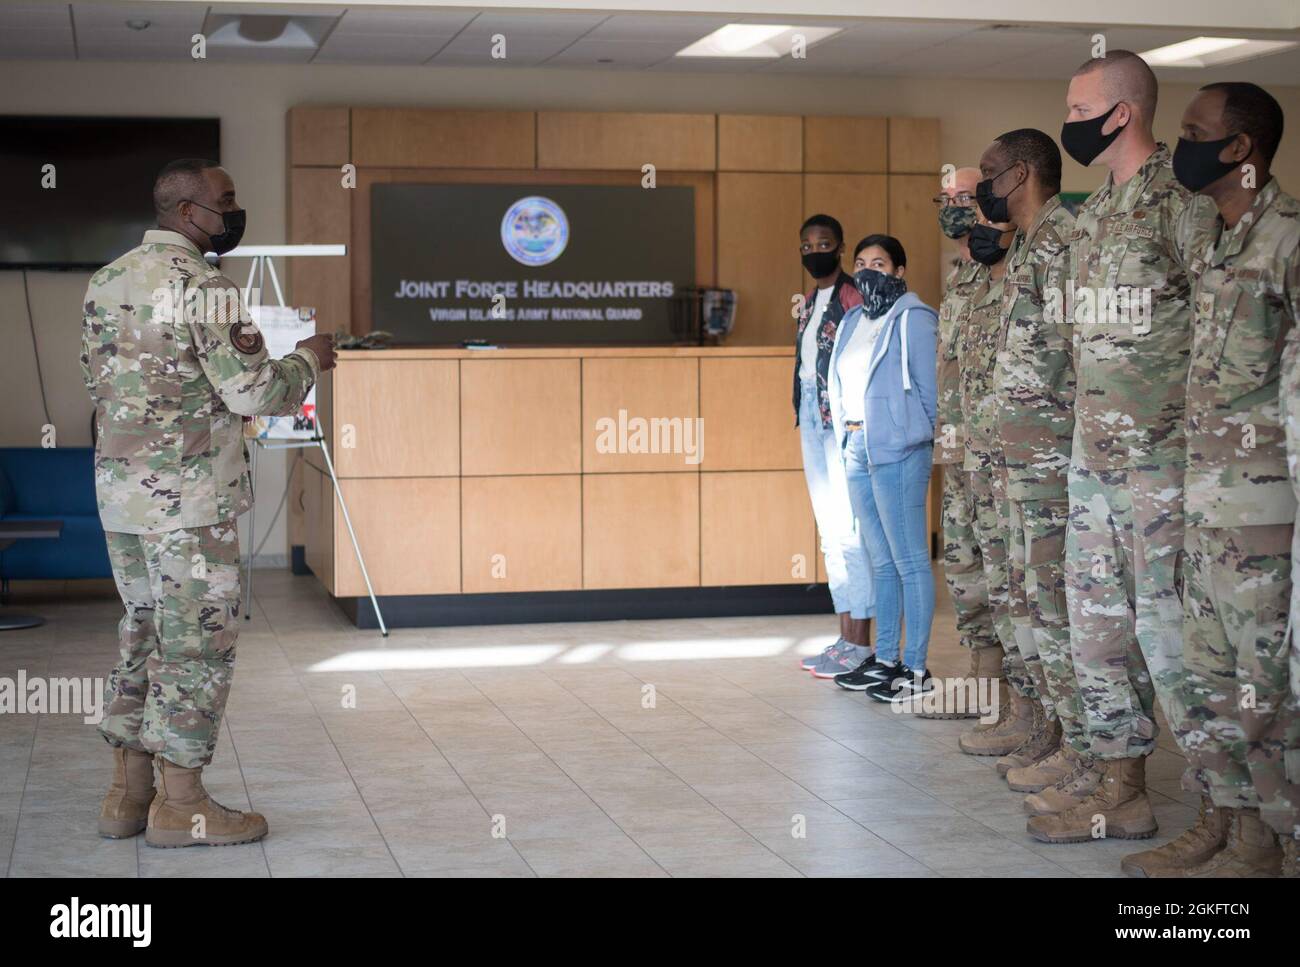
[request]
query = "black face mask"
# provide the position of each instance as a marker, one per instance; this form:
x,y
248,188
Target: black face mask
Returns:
x,y
1197,164
821,264
984,247
955,220
1083,140
993,206
232,224
879,291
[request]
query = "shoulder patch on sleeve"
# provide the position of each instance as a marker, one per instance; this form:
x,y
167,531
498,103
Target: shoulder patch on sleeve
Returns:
x,y
246,337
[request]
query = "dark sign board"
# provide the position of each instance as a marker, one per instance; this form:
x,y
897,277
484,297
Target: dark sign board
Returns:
x,y
518,264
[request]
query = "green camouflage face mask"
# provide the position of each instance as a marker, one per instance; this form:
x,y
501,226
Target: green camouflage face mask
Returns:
x,y
955,220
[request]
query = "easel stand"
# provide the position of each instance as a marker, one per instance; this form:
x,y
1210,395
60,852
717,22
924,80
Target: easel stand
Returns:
x,y
316,441
261,264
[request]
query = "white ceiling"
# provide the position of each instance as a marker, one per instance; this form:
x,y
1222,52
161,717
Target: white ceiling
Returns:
x,y
621,41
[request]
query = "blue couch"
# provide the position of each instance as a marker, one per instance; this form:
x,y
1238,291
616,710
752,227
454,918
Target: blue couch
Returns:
x,y
53,484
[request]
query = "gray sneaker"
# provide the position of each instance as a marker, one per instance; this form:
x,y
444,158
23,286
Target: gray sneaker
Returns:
x,y
830,651
846,659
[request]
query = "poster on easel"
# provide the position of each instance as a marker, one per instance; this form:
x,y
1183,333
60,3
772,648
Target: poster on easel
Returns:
x,y
283,327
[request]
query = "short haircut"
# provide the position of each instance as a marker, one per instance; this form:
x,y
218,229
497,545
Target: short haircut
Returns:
x,y
1038,151
178,181
890,244
1249,109
825,221
1125,77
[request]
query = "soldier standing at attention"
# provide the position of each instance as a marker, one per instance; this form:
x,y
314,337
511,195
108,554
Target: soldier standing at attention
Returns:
x,y
1129,303
174,364
986,478
1289,399
963,566
1240,725
1034,389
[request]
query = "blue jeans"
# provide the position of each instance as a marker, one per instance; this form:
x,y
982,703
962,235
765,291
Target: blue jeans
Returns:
x,y
847,570
889,501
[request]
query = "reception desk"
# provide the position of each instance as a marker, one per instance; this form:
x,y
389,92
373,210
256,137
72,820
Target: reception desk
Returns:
x,y
517,485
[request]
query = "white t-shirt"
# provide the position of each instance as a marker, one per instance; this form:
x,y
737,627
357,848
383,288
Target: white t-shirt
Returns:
x,y
808,351
851,367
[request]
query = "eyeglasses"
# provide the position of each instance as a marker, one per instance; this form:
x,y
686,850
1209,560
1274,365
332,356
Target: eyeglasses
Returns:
x,y
961,200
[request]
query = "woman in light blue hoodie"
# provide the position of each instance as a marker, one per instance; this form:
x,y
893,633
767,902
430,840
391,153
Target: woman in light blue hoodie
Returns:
x,y
882,388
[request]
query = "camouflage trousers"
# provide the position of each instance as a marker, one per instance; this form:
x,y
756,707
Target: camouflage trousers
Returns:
x,y
1123,575
1039,613
1240,723
168,690
988,500
963,565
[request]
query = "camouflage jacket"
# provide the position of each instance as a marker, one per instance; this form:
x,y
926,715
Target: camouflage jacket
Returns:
x,y
1289,401
978,348
844,297
173,364
1246,298
1034,379
1129,301
949,437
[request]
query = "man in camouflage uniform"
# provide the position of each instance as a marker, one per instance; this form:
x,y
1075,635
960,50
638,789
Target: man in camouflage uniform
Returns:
x,y
1289,400
1239,724
1034,388
978,340
174,366
963,567
1128,299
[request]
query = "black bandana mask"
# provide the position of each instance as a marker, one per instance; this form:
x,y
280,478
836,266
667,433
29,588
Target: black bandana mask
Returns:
x,y
879,291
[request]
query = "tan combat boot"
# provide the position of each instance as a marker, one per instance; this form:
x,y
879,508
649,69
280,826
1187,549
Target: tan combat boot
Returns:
x,y
125,810
1290,858
1120,803
1015,721
1253,851
1195,846
1044,739
1042,774
185,815
1068,791
961,697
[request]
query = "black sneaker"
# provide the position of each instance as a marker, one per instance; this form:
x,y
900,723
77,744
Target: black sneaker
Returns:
x,y
904,685
870,672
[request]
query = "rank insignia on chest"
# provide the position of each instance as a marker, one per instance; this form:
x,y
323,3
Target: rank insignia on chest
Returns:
x,y
1205,304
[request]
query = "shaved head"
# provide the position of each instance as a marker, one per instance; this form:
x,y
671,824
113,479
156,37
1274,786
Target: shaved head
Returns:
x,y
964,182
1125,77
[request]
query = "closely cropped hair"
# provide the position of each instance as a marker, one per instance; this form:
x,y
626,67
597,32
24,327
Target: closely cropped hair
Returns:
x,y
1126,77
178,181
1037,150
890,244
1249,109
825,221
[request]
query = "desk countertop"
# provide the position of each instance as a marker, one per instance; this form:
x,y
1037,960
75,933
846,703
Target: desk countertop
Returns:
x,y
564,352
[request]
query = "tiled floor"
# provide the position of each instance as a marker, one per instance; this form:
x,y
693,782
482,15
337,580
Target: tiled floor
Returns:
x,y
528,750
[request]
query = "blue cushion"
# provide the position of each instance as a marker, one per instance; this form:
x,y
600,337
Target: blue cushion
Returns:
x,y
54,484
49,483
80,552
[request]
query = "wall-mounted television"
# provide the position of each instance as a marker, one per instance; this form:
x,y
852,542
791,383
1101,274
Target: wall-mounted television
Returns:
x,y
77,192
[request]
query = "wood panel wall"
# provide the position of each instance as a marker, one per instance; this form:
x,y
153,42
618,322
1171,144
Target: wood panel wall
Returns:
x,y
756,177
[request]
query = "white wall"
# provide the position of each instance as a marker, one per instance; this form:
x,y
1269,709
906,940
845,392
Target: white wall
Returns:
x,y
251,102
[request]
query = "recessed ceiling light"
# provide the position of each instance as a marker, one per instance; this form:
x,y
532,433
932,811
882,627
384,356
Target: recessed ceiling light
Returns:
x,y
138,23
754,40
1212,51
